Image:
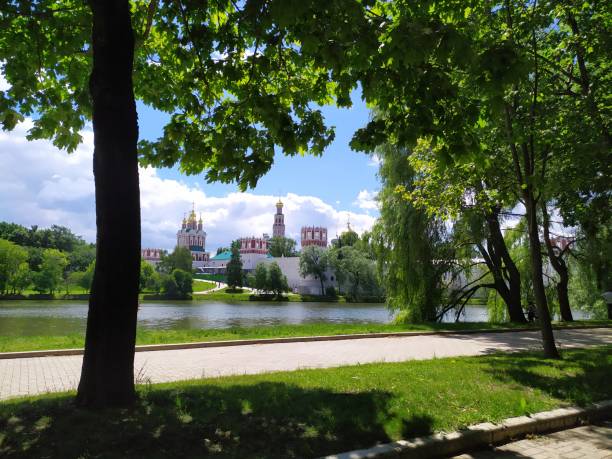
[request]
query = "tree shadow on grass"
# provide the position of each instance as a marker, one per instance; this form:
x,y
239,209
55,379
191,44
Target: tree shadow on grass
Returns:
x,y
580,378
532,341
260,420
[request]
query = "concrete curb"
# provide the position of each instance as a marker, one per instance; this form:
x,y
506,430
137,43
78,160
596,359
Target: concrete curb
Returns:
x,y
294,339
480,435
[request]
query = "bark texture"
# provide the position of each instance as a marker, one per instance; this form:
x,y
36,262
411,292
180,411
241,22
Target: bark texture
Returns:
x,y
507,276
107,377
559,265
548,338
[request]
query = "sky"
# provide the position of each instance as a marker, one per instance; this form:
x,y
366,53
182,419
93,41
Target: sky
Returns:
x,y
41,185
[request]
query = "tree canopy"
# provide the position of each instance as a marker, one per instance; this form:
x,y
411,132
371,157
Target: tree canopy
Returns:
x,y
234,267
282,247
314,261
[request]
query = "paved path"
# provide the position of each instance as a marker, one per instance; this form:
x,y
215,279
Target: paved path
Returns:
x,y
29,376
588,442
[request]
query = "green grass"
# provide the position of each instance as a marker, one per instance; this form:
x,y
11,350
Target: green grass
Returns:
x,y
202,286
241,295
306,413
32,343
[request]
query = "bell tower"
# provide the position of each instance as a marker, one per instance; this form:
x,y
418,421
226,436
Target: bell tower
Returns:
x,y
278,228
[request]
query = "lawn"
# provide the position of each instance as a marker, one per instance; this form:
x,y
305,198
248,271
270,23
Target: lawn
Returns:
x,y
306,413
243,295
203,286
144,336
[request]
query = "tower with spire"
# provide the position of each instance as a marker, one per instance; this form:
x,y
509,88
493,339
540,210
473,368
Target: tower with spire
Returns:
x,y
192,236
278,228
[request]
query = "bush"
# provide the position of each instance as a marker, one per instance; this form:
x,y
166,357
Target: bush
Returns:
x,y
331,292
154,283
184,282
277,282
168,285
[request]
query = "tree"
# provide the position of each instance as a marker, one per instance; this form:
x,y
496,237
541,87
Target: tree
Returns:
x,y
11,258
87,278
146,273
74,279
591,274
234,267
180,258
154,282
412,246
215,67
34,257
347,239
51,273
355,271
56,237
528,78
472,199
261,277
20,279
276,280
314,261
184,282
282,247
557,258
81,257
168,285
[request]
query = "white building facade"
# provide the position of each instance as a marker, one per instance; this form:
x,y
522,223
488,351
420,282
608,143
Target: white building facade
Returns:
x,y
309,285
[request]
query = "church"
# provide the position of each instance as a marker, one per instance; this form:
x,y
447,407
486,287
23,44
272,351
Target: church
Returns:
x,y
253,250
192,236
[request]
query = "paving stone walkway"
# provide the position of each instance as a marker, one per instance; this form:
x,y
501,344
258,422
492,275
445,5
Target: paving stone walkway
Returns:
x,y
30,376
586,442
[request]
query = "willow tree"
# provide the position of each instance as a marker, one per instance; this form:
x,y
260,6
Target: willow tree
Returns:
x,y
413,251
472,197
232,81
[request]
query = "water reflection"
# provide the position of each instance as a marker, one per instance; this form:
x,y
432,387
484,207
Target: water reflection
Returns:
x,y
31,318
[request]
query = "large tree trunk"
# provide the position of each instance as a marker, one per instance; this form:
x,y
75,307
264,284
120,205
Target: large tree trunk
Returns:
x,y
107,377
564,305
513,277
548,338
558,264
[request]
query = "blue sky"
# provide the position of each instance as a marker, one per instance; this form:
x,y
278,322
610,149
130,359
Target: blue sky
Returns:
x,y
336,177
41,185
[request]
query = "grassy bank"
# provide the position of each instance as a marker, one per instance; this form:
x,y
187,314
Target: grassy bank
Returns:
x,y
198,286
244,295
203,286
32,343
306,413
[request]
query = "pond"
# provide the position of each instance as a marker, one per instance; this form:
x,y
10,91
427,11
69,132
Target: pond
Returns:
x,y
31,318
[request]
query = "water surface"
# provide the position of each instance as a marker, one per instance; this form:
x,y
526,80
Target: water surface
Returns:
x,y
31,317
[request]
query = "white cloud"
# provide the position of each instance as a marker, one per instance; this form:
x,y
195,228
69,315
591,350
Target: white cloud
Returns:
x,y
40,185
375,161
366,200
4,85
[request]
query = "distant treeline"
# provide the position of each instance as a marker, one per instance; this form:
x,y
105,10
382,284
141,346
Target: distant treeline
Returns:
x,y
44,260
79,252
